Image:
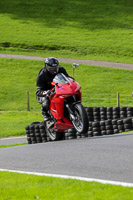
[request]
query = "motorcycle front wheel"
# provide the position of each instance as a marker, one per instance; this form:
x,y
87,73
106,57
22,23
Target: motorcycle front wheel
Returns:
x,y
80,122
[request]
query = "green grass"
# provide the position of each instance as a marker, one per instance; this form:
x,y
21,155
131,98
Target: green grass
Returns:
x,y
18,77
28,187
14,123
11,145
94,29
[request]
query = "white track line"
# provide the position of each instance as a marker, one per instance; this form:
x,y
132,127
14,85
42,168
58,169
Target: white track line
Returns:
x,y
72,177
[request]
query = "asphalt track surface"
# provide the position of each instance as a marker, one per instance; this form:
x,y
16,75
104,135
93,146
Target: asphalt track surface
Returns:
x,y
106,157
13,140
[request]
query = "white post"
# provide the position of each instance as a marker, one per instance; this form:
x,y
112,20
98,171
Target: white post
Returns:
x,y
118,99
28,103
74,65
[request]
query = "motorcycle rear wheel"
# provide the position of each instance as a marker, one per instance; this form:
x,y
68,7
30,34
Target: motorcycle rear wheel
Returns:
x,y
54,135
81,119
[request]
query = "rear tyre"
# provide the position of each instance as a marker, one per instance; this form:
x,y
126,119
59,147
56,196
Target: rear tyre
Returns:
x,y
54,135
80,122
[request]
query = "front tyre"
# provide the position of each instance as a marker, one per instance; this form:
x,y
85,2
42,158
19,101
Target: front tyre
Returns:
x,y
80,122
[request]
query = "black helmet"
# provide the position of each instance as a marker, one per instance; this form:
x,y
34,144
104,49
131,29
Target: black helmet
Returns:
x,y
52,65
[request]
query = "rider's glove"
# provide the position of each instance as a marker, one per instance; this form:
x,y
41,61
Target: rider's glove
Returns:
x,y
44,93
47,93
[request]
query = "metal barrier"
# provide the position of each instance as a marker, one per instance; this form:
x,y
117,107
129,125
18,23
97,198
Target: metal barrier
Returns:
x,y
110,100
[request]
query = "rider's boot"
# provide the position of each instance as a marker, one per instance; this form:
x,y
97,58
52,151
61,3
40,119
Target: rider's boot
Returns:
x,y
45,116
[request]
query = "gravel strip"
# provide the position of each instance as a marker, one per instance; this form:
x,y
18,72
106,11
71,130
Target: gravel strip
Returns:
x,y
70,60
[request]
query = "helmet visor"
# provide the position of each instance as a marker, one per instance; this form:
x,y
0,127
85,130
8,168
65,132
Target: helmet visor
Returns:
x,y
53,70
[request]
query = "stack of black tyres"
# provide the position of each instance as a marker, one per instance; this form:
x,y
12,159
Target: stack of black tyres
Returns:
x,y
123,112
115,126
43,133
128,124
109,113
120,126
96,128
36,133
70,134
109,127
129,111
90,130
89,111
103,127
103,115
96,114
116,112
109,120
102,121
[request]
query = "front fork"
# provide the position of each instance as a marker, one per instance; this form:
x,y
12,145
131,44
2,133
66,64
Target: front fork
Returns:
x,y
70,112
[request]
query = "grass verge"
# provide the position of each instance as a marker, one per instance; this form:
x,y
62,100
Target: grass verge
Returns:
x,y
14,123
28,187
11,145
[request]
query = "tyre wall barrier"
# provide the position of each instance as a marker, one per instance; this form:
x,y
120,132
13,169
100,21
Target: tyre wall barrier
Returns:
x,y
36,133
102,121
109,120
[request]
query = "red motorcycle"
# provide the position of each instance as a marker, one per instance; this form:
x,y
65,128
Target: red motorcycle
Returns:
x,y
66,110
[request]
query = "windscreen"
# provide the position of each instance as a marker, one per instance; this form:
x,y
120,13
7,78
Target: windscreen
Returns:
x,y
60,78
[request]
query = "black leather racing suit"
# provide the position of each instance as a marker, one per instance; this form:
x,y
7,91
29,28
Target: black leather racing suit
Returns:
x,y
43,84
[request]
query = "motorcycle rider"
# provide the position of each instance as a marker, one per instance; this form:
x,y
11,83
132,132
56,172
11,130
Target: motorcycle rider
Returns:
x,y
44,79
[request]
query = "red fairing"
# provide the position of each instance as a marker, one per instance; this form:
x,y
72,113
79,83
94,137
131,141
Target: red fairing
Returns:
x,y
57,107
68,88
63,91
61,126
